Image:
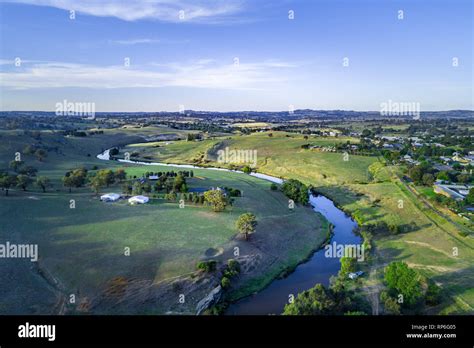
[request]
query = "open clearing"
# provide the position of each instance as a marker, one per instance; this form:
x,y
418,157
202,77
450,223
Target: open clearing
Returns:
x,y
371,193
84,247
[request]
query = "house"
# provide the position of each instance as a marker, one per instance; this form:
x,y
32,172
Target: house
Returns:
x,y
457,192
153,177
408,159
110,197
459,158
442,167
138,200
445,159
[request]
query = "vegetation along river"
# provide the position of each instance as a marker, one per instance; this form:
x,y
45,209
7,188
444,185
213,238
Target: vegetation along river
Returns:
x,y
318,268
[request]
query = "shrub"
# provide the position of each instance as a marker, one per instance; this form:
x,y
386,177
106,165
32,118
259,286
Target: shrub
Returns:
x,y
225,282
234,265
207,266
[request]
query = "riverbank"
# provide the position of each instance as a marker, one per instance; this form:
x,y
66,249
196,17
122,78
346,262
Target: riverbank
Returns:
x,y
318,268
285,237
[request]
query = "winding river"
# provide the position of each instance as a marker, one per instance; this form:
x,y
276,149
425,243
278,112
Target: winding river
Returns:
x,y
318,269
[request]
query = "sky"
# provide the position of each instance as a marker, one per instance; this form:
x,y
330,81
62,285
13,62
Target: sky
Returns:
x,y
236,55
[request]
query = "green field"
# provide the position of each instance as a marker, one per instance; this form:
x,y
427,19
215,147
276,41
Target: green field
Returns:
x,y
83,249
371,193
166,241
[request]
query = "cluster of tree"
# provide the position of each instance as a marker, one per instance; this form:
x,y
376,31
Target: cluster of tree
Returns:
x,y
348,265
233,192
231,270
470,196
8,181
74,133
193,136
171,184
247,169
23,177
319,300
422,174
207,266
33,150
296,190
381,227
191,197
209,126
217,199
407,290
171,174
75,178
20,167
106,177
455,176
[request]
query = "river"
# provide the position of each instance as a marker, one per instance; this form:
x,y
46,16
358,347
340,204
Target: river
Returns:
x,y
318,269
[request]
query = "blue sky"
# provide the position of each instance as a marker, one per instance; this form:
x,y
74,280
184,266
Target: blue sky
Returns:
x,y
236,54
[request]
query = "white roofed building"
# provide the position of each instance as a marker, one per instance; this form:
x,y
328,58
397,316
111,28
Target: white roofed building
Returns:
x,y
110,197
138,200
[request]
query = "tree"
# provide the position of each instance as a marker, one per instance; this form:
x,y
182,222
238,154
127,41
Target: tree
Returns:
x,y
216,198
207,266
179,184
146,187
416,173
428,179
7,181
225,282
28,170
391,306
405,281
113,152
137,188
296,190
120,175
43,182
16,165
433,294
470,196
247,169
105,177
464,178
348,265
127,189
41,154
315,301
29,150
76,178
246,224
443,175
23,181
96,182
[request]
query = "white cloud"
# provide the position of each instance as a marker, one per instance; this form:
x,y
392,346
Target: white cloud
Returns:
x,y
132,10
204,73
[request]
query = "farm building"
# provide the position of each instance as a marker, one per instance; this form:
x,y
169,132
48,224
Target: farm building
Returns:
x,y
457,192
110,197
138,200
